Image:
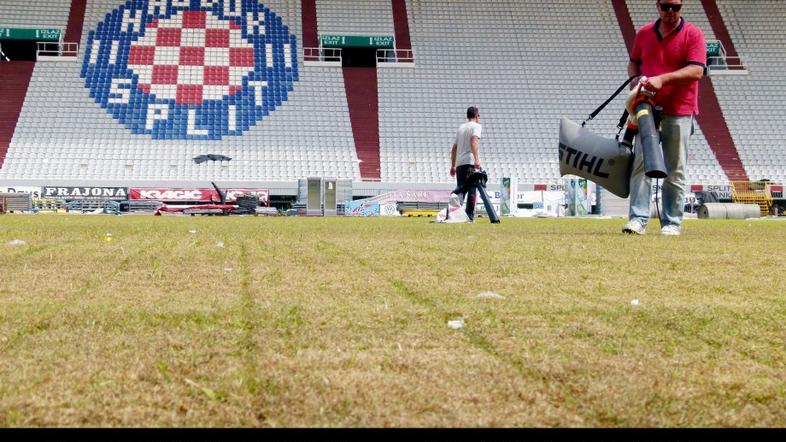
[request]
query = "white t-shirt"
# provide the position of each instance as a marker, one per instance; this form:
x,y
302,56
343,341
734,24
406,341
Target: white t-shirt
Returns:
x,y
464,142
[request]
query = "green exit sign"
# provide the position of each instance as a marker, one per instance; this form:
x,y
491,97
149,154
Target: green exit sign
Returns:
x,y
37,34
713,48
357,41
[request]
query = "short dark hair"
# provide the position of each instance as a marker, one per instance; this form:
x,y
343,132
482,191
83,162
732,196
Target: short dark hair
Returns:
x,y
472,112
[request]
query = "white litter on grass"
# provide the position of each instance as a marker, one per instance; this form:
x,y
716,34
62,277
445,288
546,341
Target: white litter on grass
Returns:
x,y
454,213
456,324
490,295
455,201
227,269
533,213
16,243
220,244
192,231
634,302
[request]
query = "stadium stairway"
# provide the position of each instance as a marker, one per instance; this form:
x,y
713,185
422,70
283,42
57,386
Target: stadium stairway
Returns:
x,y
711,117
76,19
713,123
626,24
363,102
309,21
401,25
14,80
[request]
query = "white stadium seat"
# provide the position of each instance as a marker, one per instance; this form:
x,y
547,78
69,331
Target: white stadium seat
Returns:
x,y
524,64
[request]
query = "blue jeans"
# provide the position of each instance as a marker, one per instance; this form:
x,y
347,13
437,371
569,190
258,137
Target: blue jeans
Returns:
x,y
675,133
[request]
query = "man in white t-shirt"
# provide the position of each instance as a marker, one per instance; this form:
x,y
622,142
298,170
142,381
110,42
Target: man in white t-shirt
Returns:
x,y
465,158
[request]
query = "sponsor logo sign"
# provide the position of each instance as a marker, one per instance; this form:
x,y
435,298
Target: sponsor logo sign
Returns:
x,y
194,195
107,193
389,210
35,192
412,196
362,208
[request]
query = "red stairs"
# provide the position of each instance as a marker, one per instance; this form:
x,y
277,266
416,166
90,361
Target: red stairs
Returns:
x,y
361,89
401,28
76,19
308,18
14,80
626,24
713,124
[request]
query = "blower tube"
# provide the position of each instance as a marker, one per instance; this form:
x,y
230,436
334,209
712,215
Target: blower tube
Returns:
x,y
654,166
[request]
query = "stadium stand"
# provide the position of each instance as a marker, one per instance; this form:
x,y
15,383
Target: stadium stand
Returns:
x,y
309,134
347,17
524,65
540,73
34,14
752,104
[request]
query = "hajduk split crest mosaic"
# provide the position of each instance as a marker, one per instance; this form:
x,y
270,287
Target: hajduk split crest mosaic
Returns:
x,y
190,69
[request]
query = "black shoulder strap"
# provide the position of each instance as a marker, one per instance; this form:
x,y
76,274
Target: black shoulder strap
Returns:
x,y
606,103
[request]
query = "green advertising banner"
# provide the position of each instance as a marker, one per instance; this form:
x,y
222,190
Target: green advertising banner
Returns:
x,y
41,34
357,41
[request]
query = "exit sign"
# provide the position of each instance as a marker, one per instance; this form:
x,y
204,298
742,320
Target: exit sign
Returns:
x,y
37,34
357,41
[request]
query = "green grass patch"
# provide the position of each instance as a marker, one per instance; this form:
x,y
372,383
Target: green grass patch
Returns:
x,y
343,322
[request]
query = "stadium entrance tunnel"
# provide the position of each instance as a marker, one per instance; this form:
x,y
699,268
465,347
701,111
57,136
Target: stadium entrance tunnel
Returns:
x,y
19,50
359,57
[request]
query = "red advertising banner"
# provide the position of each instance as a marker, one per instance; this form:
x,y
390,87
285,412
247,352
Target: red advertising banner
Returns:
x,y
232,194
167,195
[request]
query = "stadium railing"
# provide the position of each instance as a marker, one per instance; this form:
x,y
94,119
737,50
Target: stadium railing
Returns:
x,y
330,56
56,50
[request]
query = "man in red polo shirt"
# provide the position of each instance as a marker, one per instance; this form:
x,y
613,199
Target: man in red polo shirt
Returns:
x,y
669,56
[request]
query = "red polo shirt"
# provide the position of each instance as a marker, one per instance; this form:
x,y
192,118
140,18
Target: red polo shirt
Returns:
x,y
657,55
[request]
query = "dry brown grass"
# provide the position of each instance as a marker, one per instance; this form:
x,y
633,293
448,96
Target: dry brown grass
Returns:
x,y
343,323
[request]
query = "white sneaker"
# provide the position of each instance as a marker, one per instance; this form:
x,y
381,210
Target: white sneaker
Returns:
x,y
633,226
670,230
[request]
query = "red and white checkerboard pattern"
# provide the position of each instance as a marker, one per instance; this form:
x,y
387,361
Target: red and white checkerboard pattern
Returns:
x,y
191,57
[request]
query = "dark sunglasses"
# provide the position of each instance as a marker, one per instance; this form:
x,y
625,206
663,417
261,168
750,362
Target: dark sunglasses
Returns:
x,y
665,7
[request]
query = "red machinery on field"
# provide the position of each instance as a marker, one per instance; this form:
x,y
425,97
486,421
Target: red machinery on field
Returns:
x,y
246,204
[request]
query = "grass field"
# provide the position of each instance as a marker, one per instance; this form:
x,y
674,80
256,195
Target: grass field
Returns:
x,y
300,322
